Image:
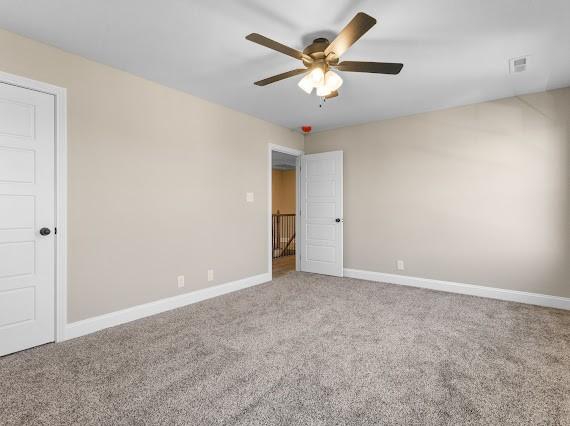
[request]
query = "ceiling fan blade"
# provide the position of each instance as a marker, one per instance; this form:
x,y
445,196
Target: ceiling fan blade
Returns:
x,y
272,44
332,95
374,67
355,29
281,76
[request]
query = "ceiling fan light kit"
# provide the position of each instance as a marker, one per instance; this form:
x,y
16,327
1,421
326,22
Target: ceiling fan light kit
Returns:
x,y
322,56
324,83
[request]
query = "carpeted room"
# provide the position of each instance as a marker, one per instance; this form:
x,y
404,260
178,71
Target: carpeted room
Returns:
x,y
442,294
305,349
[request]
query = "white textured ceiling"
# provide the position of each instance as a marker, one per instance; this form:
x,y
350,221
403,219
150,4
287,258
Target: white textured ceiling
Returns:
x,y
455,52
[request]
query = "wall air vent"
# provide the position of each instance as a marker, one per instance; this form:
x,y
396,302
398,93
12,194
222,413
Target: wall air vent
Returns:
x,y
518,64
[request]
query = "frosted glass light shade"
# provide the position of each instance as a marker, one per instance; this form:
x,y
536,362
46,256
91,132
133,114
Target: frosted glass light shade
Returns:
x,y
323,91
332,81
307,84
318,75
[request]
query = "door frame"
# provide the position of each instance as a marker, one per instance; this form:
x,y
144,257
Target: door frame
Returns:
x,y
296,153
60,142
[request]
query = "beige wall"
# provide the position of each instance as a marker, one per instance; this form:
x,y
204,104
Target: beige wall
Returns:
x,y
283,191
157,182
478,194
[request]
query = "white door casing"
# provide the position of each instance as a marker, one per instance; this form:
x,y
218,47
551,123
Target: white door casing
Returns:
x,y
27,204
296,153
322,213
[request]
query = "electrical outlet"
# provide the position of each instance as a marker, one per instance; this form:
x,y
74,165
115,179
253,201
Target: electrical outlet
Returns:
x,y
210,275
180,281
249,197
400,265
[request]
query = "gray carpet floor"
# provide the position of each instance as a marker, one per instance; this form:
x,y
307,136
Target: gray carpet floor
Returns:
x,y
305,349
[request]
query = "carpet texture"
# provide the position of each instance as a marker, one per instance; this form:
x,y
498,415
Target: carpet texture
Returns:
x,y
306,349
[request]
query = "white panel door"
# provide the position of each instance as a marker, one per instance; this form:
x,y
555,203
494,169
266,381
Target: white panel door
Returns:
x,y
27,204
321,213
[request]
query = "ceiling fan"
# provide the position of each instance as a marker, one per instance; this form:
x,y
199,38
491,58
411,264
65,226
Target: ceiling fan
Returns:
x,y
322,56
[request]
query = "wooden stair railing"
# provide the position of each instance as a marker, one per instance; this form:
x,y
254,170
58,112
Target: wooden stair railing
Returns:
x,y
288,244
283,227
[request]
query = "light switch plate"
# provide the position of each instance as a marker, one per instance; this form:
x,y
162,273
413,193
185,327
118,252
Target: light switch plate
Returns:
x,y
249,197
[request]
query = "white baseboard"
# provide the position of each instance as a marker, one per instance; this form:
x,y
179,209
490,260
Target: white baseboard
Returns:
x,y
452,287
91,325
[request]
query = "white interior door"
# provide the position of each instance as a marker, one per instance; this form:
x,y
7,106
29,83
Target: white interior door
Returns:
x,y
321,213
27,204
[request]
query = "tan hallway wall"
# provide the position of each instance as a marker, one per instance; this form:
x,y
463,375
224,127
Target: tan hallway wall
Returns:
x,y
153,173
284,190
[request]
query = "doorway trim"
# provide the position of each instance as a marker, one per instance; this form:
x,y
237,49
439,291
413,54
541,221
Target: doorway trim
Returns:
x,y
60,141
296,153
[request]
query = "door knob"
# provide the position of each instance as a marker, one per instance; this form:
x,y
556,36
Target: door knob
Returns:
x,y
45,231
337,220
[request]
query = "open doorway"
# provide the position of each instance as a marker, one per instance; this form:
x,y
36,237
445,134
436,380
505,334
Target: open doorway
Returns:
x,y
283,212
284,209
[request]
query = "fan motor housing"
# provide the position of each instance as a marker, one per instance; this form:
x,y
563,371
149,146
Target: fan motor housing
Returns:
x,y
316,50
